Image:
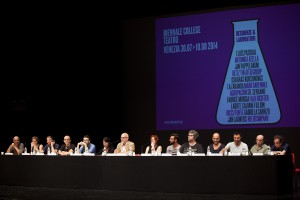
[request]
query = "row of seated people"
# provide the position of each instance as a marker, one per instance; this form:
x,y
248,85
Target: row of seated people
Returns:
x,y
280,147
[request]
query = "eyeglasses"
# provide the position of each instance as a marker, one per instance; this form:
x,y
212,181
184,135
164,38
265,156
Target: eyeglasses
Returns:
x,y
124,137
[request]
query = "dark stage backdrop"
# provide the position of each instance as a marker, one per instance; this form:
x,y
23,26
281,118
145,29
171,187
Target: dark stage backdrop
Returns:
x,y
60,74
140,87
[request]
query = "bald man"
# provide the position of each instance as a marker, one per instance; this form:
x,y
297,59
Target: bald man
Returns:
x,y
259,147
125,145
216,146
17,148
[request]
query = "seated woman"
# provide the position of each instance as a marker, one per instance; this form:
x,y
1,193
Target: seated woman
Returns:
x,y
154,148
107,145
35,146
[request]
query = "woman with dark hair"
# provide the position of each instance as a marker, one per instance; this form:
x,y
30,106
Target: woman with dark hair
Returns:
x,y
107,146
154,148
35,146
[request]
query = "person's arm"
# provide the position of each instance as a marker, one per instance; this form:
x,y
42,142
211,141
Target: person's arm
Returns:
x,y
285,150
222,148
167,150
227,147
132,146
159,149
92,148
56,148
118,149
40,148
9,148
200,148
181,149
80,149
252,150
52,147
62,151
246,147
147,150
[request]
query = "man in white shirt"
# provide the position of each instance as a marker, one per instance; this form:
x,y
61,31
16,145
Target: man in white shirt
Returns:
x,y
237,146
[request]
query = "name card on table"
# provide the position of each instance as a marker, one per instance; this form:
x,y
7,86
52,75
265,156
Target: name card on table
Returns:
x,y
257,154
215,154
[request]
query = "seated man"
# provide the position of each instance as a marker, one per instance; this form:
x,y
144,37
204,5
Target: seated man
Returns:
x,y
53,147
67,148
125,145
216,146
237,146
280,147
86,145
16,148
174,145
259,147
192,143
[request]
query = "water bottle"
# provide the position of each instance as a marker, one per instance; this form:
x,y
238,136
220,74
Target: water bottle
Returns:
x,y
25,150
104,151
48,151
243,152
225,152
153,152
208,151
190,151
269,151
76,150
86,150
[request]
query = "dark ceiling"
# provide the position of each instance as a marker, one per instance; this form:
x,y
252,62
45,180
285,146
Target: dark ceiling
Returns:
x,y
138,9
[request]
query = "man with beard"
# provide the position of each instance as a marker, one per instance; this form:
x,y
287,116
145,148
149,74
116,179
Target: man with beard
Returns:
x,y
174,145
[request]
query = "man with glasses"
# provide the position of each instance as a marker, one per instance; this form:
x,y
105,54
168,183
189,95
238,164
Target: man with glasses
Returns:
x,y
125,146
67,148
16,148
192,143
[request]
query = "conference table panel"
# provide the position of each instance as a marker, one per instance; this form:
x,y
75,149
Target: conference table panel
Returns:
x,y
188,174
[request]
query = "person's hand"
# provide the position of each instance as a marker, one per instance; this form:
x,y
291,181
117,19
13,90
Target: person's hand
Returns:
x,y
52,143
152,144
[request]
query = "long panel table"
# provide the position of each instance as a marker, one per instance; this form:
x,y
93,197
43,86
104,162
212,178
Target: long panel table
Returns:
x,y
187,174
